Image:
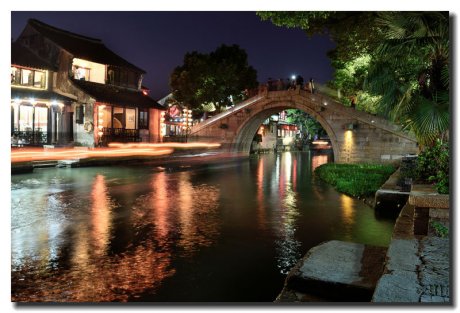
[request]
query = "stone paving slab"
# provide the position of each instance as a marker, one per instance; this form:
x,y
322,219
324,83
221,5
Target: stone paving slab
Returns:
x,y
417,267
335,271
435,269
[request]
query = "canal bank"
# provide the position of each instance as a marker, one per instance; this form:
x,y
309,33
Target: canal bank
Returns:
x,y
414,269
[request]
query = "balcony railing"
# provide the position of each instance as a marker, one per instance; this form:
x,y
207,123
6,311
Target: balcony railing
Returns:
x,y
20,138
120,135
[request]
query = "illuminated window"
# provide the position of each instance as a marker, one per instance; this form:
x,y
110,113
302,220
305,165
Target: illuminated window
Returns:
x,y
26,116
39,79
106,116
41,119
81,73
130,119
27,77
15,121
118,117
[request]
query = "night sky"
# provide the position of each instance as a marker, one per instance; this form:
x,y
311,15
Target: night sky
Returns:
x,y
158,41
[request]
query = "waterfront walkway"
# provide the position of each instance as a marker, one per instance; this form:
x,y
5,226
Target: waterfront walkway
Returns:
x,y
417,267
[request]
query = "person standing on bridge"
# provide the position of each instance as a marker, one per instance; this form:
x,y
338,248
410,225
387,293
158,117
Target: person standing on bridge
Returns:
x,y
312,85
299,81
279,84
270,84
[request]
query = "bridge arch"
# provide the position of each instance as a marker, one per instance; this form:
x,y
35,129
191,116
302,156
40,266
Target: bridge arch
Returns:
x,y
246,131
355,136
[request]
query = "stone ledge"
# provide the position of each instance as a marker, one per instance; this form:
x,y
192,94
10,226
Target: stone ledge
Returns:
x,y
425,196
335,271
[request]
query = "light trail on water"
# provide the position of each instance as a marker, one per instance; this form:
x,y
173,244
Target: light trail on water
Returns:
x,y
113,151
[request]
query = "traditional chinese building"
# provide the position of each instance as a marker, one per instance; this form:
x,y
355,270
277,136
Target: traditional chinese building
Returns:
x,y
36,109
275,133
102,99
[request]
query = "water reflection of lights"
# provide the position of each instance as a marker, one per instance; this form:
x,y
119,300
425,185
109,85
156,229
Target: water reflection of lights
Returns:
x,y
183,207
160,203
287,245
317,160
287,166
348,212
100,214
260,195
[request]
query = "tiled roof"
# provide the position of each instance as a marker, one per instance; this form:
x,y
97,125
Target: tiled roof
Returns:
x,y
22,56
23,93
82,47
116,95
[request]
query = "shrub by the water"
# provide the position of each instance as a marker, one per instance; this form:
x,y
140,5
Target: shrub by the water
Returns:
x,y
433,166
358,180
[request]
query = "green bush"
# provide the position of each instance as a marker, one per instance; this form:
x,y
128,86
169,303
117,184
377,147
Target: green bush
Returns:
x,y
433,166
357,180
440,230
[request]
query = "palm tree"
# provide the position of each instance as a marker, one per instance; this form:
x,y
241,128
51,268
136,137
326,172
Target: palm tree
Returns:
x,y
409,70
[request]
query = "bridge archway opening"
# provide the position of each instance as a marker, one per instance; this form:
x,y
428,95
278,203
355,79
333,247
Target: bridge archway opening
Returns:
x,y
248,130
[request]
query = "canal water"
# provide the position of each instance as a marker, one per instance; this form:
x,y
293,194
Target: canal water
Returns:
x,y
226,232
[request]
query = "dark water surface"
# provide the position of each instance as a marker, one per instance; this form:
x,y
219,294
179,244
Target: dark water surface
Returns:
x,y
222,233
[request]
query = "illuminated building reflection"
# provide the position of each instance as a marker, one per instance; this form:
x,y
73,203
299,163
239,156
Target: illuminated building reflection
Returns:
x,y
261,215
287,246
100,214
317,160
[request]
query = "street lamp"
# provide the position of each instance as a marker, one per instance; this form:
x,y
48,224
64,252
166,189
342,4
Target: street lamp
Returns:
x,y
186,121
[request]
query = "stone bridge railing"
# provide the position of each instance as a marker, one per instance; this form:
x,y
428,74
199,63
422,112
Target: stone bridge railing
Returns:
x,y
330,103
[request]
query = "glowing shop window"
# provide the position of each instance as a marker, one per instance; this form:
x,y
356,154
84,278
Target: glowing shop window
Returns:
x,y
106,116
130,119
118,117
15,118
26,117
41,119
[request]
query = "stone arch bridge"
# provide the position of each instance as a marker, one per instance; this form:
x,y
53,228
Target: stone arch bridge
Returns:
x,y
355,136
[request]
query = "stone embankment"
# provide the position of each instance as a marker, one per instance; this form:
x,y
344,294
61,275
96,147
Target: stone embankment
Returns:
x,y
414,269
418,263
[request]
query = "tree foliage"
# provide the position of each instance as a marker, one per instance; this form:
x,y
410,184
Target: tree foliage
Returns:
x,y
410,70
307,124
213,80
